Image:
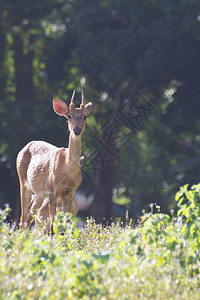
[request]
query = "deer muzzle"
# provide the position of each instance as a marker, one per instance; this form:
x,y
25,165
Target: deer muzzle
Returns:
x,y
77,130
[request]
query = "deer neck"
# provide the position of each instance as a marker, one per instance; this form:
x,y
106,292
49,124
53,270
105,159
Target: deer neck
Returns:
x,y
74,155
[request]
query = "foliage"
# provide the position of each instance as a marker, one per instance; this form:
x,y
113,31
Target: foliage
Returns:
x,y
156,259
111,49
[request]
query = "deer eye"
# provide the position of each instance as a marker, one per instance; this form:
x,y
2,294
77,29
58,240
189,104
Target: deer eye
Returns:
x,y
69,117
84,118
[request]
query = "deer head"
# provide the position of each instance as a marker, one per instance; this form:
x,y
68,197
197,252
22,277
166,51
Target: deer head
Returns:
x,y
76,116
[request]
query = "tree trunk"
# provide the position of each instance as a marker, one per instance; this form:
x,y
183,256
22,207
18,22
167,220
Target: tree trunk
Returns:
x,y
101,208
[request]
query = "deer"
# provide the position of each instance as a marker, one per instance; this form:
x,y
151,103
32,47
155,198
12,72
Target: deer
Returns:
x,y
49,176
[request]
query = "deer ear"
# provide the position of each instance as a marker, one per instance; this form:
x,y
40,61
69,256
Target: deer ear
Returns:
x,y
60,107
88,108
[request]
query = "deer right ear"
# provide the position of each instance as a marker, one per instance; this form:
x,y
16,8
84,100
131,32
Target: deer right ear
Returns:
x,y
60,107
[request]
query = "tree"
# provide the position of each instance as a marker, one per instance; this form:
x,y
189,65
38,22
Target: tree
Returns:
x,y
23,83
122,47
113,50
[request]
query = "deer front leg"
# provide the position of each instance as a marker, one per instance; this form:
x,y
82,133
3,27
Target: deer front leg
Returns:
x,y
34,207
52,211
70,205
42,216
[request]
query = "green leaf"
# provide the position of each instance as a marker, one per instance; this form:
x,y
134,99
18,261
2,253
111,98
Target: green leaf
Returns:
x,y
192,229
76,232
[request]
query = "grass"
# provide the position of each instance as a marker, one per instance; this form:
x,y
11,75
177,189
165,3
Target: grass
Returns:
x,y
156,259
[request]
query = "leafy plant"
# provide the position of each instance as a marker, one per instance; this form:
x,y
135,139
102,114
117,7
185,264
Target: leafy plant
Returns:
x,y
156,259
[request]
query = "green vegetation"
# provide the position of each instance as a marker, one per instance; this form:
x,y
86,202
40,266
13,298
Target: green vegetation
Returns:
x,y
111,49
159,258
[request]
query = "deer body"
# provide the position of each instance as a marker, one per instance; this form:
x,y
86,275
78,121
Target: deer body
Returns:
x,y
48,175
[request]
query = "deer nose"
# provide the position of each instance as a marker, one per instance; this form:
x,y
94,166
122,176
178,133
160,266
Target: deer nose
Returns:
x,y
77,130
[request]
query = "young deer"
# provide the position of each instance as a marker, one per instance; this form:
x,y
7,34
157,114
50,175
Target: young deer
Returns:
x,y
49,175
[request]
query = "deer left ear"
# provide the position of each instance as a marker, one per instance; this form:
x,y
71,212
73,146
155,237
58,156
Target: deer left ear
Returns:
x,y
60,107
88,108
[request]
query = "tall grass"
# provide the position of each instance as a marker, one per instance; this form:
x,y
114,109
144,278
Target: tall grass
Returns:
x,y
156,259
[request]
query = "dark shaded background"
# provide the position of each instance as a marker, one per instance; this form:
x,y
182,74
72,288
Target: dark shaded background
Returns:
x,y
112,49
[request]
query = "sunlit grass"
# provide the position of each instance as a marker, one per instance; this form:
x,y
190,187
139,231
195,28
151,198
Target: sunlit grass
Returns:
x,y
155,259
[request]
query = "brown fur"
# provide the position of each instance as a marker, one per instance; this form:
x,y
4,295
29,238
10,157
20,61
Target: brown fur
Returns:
x,y
49,176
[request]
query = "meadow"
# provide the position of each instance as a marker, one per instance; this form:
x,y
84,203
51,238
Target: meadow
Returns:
x,y
157,258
